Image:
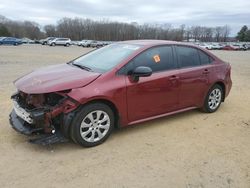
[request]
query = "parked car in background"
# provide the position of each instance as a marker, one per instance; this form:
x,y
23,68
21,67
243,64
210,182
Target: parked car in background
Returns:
x,y
27,41
206,46
231,47
45,41
240,46
247,46
87,43
96,44
36,41
116,86
216,46
10,41
82,42
60,42
108,42
74,42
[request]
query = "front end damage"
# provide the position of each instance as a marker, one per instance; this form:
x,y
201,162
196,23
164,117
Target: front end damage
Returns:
x,y
47,116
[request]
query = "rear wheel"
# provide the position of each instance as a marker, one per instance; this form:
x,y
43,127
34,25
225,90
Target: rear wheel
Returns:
x,y
92,125
213,99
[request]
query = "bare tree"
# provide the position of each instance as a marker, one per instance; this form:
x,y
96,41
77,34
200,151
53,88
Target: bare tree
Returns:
x,y
50,30
225,33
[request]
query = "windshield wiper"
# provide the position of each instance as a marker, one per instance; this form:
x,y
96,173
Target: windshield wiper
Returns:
x,y
82,67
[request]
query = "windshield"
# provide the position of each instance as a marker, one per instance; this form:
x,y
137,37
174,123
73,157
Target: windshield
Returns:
x,y
106,58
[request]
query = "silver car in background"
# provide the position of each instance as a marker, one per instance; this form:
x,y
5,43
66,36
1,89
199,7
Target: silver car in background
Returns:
x,y
60,42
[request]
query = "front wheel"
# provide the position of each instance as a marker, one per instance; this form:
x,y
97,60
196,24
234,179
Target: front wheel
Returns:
x,y
92,124
213,99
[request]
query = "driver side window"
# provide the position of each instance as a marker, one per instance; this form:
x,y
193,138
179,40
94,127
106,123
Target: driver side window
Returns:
x,y
157,58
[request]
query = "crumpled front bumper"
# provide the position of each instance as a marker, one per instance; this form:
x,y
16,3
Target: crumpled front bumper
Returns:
x,y
39,137
21,126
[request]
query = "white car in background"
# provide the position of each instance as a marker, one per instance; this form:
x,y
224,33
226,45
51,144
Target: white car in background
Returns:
x,y
87,43
60,42
82,43
217,46
206,46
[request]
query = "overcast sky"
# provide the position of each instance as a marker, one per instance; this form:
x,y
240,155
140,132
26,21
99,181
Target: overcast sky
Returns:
x,y
176,12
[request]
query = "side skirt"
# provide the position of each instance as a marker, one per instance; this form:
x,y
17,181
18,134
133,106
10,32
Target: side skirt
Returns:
x,y
161,115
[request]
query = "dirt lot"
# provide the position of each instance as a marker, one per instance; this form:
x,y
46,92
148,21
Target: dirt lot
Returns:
x,y
189,150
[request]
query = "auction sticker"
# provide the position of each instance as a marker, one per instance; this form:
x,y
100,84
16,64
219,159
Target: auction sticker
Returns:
x,y
157,58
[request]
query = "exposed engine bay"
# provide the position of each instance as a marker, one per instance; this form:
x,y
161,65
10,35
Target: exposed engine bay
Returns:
x,y
41,113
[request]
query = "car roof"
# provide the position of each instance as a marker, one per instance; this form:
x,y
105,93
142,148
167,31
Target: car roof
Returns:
x,y
149,42
62,38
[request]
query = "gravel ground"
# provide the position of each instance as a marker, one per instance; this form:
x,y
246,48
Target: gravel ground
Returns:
x,y
188,150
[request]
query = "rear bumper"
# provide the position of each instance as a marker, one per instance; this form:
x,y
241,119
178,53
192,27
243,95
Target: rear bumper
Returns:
x,y
229,87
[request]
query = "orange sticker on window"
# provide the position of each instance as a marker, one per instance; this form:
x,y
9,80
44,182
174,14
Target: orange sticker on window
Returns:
x,y
157,58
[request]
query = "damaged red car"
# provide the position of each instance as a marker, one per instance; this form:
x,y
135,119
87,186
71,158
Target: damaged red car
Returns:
x,y
119,85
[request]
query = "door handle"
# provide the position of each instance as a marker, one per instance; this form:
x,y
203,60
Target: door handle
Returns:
x,y
173,78
206,71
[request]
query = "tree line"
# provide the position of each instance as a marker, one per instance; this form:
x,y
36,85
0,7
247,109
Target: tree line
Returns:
x,y
20,29
79,28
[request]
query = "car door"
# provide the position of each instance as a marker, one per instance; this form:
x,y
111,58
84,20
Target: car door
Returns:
x,y
11,41
7,40
158,93
193,75
59,41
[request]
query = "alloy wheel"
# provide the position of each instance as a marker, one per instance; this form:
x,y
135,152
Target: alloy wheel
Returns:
x,y
95,126
214,98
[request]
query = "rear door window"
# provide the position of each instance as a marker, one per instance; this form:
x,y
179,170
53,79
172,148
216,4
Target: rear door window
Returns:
x,y
204,58
187,56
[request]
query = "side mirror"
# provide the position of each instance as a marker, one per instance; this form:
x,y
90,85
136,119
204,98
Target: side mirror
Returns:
x,y
141,72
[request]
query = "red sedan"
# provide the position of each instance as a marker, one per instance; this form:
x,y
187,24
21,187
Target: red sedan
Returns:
x,y
231,47
119,85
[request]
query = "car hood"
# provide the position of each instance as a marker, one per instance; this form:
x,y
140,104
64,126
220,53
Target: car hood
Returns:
x,y
55,78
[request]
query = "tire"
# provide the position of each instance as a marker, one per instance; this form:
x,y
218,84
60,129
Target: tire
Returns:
x,y
213,99
86,130
67,45
53,44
